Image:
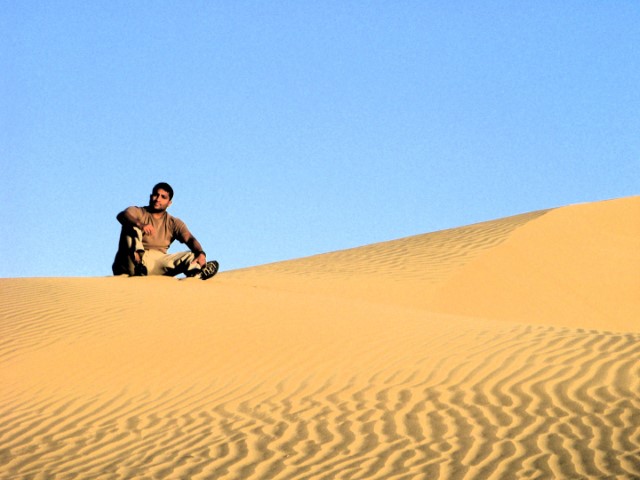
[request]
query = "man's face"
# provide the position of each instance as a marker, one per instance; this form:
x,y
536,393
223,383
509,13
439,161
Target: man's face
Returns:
x,y
159,200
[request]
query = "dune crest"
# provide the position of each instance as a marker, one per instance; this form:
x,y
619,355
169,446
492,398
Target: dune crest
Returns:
x,y
574,266
577,266
506,349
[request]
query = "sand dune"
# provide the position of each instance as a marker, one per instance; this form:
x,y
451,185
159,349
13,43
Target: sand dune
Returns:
x,y
507,349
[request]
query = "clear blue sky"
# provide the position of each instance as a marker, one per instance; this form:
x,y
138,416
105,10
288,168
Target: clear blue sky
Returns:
x,y
290,128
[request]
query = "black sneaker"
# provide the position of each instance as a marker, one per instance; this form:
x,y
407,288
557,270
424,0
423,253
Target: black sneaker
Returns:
x,y
209,270
139,270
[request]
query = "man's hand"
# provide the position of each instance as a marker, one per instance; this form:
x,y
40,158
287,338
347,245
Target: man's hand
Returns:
x,y
201,260
148,229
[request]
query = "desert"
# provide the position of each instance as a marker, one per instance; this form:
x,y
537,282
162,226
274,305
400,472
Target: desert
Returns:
x,y
505,349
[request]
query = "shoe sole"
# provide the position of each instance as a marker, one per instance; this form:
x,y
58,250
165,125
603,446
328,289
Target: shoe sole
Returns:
x,y
209,270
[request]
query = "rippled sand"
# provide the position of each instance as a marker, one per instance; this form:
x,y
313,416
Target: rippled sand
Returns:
x,y
508,349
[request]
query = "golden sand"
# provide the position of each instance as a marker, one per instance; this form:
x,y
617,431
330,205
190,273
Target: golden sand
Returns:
x,y
507,349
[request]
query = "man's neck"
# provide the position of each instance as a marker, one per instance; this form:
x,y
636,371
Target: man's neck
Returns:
x,y
156,213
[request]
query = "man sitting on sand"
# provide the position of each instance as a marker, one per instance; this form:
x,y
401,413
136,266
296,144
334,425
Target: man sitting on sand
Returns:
x,y
147,233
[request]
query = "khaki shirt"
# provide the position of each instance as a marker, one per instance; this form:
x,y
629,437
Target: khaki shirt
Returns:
x,y
168,229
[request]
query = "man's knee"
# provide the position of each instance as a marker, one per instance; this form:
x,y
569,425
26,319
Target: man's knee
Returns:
x,y
132,238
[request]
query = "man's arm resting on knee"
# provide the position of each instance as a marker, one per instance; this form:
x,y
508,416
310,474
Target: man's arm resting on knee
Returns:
x,y
128,217
196,248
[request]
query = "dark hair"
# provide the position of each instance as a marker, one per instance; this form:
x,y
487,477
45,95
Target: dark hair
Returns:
x,y
164,186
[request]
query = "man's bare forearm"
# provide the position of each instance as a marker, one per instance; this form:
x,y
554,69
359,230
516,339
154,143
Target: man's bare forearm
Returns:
x,y
194,245
127,218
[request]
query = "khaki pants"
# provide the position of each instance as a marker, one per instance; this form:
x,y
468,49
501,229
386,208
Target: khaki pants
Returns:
x,y
157,263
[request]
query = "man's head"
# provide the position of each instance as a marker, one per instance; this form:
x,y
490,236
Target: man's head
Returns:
x,y
161,197
164,186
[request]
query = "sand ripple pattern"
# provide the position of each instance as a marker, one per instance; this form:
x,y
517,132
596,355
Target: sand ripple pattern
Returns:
x,y
524,402
430,256
337,366
66,311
